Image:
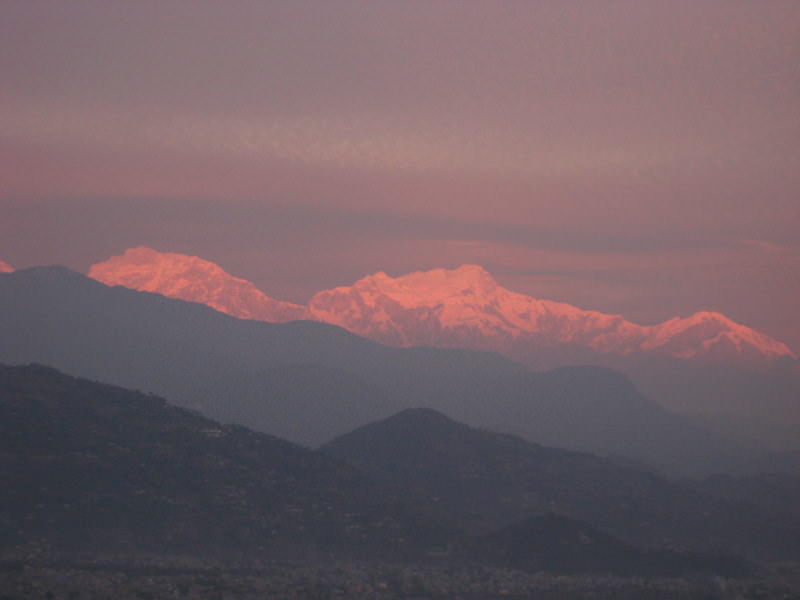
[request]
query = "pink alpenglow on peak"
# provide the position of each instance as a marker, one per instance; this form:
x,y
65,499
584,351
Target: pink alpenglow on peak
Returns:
x,y
456,308
5,267
466,307
193,279
463,307
712,335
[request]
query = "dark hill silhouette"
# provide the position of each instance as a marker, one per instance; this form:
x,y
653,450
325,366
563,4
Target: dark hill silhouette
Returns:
x,y
97,468
777,494
490,480
559,544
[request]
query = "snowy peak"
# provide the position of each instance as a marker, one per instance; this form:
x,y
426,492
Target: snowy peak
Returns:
x,y
441,307
147,268
463,307
5,267
713,335
423,287
458,308
193,279
466,307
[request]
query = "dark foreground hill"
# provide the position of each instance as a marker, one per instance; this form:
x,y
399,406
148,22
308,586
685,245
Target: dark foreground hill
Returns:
x,y
88,466
558,544
92,469
490,481
773,493
249,372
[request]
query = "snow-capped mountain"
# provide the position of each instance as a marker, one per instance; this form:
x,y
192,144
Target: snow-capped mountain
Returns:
x,y
5,267
194,279
466,307
463,307
459,307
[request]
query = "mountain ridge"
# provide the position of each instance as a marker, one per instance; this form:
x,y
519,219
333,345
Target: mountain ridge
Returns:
x,y
462,307
193,279
198,356
96,469
493,480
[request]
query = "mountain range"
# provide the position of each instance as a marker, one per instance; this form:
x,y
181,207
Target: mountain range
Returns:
x,y
100,469
461,308
95,468
196,280
311,381
490,481
705,364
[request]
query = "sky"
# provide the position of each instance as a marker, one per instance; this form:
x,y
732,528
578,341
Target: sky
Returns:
x,y
639,158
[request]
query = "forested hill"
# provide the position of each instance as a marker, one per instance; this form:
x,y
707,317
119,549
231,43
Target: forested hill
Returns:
x,y
93,466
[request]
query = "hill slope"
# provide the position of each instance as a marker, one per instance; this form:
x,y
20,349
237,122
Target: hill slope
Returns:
x,y
492,480
99,468
559,544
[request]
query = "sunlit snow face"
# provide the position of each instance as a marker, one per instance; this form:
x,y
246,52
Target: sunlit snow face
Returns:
x,y
442,307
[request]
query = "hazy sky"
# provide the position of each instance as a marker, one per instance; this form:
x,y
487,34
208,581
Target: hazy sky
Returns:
x,y
637,157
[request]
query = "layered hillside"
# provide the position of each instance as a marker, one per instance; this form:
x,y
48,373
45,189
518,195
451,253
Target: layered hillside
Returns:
x,y
98,468
491,481
310,381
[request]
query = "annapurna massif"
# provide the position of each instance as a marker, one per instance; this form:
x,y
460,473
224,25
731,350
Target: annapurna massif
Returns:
x,y
463,307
